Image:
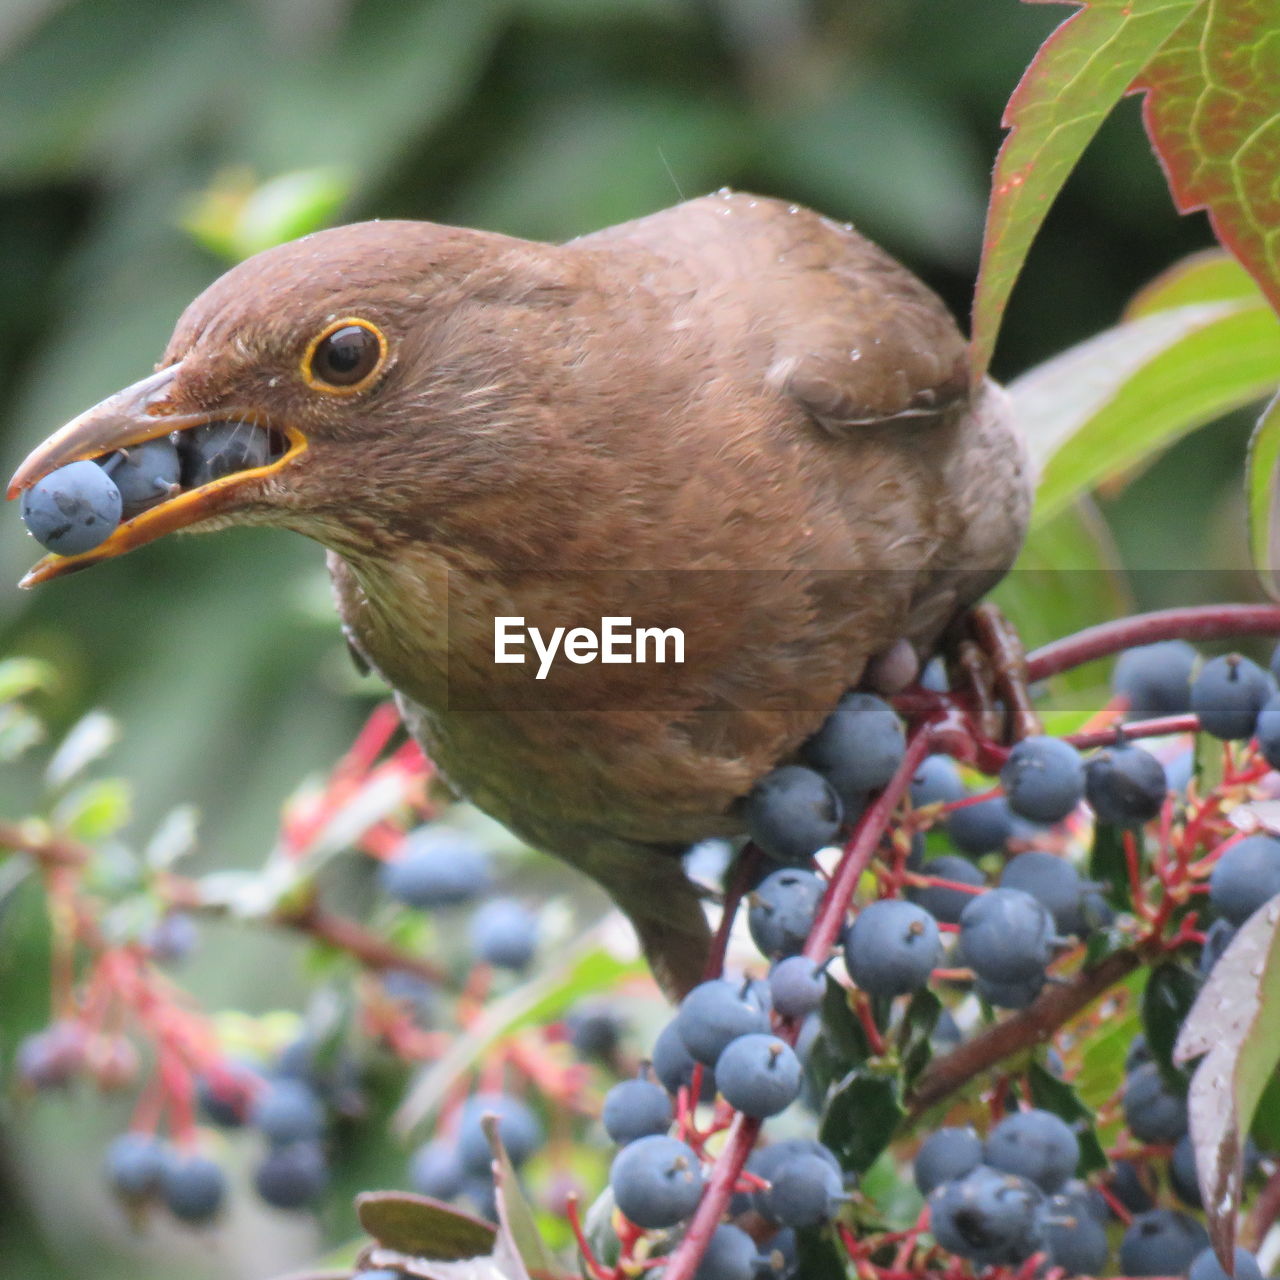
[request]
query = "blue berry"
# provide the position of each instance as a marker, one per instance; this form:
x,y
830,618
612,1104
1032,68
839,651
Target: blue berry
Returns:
x,y
1161,1242
134,1163
984,827
936,781
1075,1239
716,1012
1153,1112
1010,995
858,748
504,934
1216,940
758,1075
225,1098
218,449
731,1255
674,1065
656,1181
1035,1145
518,1127
1125,785
793,812
1156,678
892,948
1267,730
988,1217
292,1176
635,1109
72,509
144,473
943,904
288,1110
435,1170
436,867
1051,881
1207,1267
804,1190
782,909
945,1155
595,1031
174,937
1139,1051
1043,779
1006,936
51,1058
1131,1185
1228,695
1183,1176
797,986
1245,877
193,1187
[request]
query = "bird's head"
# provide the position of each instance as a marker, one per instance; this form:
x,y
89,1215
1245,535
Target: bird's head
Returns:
x,y
377,366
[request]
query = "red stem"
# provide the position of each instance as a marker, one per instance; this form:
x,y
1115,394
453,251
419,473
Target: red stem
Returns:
x,y
724,1174
745,1130
1199,622
858,852
1134,729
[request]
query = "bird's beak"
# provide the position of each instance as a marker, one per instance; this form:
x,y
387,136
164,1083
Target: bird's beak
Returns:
x,y
141,412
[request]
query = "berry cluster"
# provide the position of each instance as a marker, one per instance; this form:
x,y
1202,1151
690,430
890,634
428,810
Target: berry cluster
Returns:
x,y
909,886
79,506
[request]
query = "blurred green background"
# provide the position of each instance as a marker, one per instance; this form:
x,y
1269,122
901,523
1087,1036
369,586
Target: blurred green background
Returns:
x,y
145,143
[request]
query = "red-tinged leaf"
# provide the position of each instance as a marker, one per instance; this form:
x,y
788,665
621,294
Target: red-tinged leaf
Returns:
x,y
1078,75
1212,113
1262,495
1232,1024
1212,275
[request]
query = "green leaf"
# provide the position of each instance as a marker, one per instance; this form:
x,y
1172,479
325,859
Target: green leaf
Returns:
x,y
90,738
1108,403
1233,1024
1051,1094
19,731
1208,276
818,1257
174,838
918,1022
21,676
94,810
861,1116
237,219
1170,992
1211,113
1079,74
1069,575
1102,1062
1262,497
423,1228
1107,863
842,1029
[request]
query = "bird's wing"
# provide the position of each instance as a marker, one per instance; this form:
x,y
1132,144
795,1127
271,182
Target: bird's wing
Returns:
x,y
823,315
859,340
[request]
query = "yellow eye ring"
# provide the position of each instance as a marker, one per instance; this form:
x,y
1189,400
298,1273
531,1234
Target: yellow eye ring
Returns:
x,y
344,357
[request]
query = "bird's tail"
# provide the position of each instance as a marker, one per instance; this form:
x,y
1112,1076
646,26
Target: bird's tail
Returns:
x,y
665,909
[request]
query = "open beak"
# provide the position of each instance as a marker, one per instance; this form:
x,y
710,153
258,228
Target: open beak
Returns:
x,y
141,412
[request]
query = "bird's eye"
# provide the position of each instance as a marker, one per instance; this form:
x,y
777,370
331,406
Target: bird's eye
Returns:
x,y
344,356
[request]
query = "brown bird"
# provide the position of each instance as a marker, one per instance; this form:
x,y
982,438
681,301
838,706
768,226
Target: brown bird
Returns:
x,y
734,417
